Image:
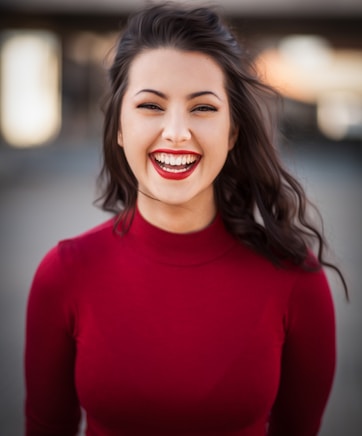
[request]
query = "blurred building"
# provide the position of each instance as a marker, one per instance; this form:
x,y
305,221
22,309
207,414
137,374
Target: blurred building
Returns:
x,y
54,56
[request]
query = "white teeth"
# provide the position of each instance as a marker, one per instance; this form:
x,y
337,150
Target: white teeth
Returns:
x,y
174,170
170,159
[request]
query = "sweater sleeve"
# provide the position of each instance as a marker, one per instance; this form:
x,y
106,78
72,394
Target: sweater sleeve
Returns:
x,y
308,361
51,401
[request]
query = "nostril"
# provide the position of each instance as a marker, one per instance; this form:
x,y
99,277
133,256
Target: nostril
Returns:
x,y
176,137
176,132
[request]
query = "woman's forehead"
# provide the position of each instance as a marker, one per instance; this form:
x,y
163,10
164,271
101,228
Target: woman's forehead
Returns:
x,y
170,67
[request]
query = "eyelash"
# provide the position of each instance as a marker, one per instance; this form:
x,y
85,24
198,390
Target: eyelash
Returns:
x,y
150,106
205,108
155,107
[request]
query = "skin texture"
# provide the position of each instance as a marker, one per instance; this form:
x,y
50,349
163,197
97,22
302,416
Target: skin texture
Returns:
x,y
176,101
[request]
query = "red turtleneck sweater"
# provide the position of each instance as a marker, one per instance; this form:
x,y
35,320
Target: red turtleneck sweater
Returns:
x,y
156,333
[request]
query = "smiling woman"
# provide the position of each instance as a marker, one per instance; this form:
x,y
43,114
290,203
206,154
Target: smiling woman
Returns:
x,y
199,308
167,115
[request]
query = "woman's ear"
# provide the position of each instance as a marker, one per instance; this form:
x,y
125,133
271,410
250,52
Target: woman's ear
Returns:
x,y
120,138
234,132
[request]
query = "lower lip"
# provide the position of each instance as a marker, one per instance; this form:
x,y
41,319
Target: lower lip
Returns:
x,y
174,176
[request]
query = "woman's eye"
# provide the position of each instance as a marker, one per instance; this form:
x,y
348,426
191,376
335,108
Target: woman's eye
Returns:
x,y
150,106
204,108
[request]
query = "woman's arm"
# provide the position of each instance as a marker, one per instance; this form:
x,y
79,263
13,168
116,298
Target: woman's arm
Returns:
x,y
51,401
308,360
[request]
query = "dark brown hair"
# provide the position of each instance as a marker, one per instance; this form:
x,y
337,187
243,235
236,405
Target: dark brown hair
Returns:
x,y
252,181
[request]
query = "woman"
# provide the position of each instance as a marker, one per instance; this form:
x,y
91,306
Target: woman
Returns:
x,y
199,308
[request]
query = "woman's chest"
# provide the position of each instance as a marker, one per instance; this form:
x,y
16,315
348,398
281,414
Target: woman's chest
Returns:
x,y
186,350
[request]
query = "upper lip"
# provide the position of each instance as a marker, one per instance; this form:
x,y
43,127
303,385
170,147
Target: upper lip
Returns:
x,y
172,151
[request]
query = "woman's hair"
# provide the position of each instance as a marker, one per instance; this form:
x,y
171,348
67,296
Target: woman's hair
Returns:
x,y
260,203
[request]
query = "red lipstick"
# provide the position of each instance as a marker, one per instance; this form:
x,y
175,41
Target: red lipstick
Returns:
x,y
174,164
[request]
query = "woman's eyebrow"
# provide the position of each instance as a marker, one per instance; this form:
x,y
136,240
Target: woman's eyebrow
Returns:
x,y
201,93
153,91
189,96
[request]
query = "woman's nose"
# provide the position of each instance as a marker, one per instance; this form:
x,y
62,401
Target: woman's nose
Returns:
x,y
176,129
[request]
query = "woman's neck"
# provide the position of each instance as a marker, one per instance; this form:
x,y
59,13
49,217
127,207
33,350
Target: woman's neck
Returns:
x,y
176,218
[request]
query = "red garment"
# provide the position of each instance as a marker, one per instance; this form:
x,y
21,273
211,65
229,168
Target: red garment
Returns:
x,y
156,333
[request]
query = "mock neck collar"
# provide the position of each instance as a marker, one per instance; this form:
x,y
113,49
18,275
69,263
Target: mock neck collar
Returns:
x,y
182,249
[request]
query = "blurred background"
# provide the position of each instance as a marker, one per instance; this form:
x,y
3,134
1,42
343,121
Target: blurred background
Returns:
x,y
53,60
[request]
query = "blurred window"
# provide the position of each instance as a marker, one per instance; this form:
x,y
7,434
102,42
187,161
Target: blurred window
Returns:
x,y
30,87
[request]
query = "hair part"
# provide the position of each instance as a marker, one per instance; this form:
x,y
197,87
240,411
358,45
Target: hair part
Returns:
x,y
253,180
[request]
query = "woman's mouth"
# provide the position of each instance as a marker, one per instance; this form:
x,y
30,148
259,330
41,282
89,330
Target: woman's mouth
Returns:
x,y
175,166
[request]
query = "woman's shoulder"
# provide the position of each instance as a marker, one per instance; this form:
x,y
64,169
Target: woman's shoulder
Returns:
x,y
65,264
68,253
301,283
310,294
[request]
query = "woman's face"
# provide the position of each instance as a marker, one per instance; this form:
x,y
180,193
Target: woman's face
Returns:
x,y
175,127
